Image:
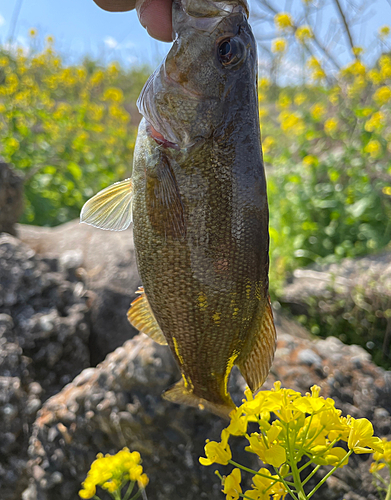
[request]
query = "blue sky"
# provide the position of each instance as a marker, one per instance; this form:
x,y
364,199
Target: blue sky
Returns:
x,y
80,27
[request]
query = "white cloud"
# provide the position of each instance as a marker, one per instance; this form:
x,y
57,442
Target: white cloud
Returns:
x,y
132,59
110,42
2,20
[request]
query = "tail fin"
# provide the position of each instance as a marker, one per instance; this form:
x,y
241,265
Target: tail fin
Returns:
x,y
181,394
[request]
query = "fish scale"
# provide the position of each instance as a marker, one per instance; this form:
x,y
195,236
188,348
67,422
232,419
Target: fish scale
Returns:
x,y
198,202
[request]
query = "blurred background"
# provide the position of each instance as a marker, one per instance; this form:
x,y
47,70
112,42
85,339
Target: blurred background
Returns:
x,y
70,75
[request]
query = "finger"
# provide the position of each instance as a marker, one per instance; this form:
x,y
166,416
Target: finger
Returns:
x,y
155,16
116,5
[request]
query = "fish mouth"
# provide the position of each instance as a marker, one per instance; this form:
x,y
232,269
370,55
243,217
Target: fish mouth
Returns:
x,y
159,138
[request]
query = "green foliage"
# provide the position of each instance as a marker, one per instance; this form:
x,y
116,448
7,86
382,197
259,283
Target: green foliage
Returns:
x,y
329,151
68,130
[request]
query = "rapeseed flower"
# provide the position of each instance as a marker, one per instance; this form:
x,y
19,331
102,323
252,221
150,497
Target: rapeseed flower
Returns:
x,y
318,111
384,31
361,438
112,472
382,95
373,148
303,426
376,122
232,486
304,33
217,453
283,21
279,45
330,126
292,122
385,66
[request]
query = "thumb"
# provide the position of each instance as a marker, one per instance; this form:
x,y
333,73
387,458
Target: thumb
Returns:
x,y
155,16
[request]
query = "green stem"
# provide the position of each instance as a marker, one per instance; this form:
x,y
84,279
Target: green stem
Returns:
x,y
252,471
388,496
129,490
294,469
292,493
137,494
329,474
305,465
311,474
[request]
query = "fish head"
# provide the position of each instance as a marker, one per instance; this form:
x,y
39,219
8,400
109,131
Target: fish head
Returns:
x,y
201,80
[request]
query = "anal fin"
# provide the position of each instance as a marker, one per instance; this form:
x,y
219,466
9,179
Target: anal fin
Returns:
x,y
140,316
180,393
256,365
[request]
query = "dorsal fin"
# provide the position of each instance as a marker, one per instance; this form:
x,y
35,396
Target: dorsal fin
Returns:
x,y
140,316
256,365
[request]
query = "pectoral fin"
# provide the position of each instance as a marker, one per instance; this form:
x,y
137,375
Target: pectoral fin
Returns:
x,y
166,212
111,208
140,316
180,393
256,365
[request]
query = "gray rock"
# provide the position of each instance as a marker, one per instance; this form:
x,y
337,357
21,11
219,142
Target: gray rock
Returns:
x,y
11,198
351,299
44,335
106,261
119,403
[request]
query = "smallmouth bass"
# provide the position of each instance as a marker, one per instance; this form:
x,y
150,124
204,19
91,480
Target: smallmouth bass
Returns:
x,y
197,199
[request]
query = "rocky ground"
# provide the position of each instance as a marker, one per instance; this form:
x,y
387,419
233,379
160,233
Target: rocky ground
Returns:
x,y
64,293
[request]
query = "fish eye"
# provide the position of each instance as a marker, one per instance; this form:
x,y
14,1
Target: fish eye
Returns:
x,y
230,51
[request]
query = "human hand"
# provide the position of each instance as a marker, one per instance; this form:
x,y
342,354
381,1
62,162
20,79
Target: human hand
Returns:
x,y
154,15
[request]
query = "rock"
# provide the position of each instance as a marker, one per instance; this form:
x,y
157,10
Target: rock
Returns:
x,y
106,261
351,299
11,198
119,403
44,335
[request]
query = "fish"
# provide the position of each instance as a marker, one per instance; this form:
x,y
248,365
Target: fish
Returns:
x,y
197,199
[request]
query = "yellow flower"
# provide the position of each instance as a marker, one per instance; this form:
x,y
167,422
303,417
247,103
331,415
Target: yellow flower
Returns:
x,y
266,447
317,111
110,471
33,32
268,143
283,21
373,148
304,33
385,66
143,481
384,31
284,101
375,76
376,122
310,160
387,190
330,126
232,485
113,94
357,51
217,453
300,99
264,83
361,439
291,122
279,45
382,95
50,40
317,73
